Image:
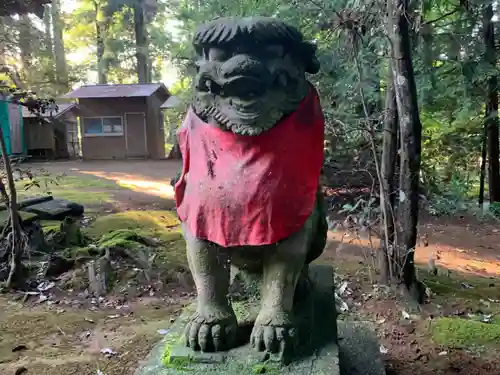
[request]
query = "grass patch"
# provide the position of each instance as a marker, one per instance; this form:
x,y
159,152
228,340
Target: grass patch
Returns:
x,y
80,189
462,333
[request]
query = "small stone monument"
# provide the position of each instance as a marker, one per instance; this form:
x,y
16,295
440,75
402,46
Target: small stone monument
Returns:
x,y
252,214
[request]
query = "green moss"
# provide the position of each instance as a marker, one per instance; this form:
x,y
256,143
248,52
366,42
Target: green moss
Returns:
x,y
461,286
126,228
121,238
266,368
180,364
461,333
50,226
154,221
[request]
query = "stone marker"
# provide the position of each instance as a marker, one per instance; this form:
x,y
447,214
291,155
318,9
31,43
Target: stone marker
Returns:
x,y
252,212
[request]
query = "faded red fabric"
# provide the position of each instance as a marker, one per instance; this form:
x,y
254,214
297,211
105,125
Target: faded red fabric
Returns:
x,y
240,190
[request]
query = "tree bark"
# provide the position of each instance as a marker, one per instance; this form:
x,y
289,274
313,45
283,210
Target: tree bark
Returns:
x,y
410,135
25,45
59,53
387,188
483,166
100,31
491,118
141,42
48,44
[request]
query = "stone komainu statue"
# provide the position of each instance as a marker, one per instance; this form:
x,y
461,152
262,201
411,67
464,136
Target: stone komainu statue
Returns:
x,y
249,196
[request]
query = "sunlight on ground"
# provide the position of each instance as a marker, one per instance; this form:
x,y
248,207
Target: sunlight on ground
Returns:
x,y
452,258
161,189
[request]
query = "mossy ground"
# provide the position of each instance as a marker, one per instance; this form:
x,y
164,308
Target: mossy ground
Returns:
x,y
80,189
127,228
465,333
462,286
68,341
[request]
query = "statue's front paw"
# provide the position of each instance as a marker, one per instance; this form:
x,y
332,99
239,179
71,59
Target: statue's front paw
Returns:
x,y
275,335
212,329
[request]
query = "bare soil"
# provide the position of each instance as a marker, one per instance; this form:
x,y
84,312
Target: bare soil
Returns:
x,y
67,336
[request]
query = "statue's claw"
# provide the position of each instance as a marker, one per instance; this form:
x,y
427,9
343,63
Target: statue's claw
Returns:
x,y
277,336
211,329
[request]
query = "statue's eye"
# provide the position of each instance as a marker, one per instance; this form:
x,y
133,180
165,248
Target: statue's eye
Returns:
x,y
217,54
275,50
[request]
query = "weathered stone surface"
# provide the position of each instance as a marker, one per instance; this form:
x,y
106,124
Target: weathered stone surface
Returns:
x,y
55,209
317,352
359,350
26,217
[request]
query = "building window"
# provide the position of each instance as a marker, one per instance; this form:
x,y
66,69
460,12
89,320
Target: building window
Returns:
x,y
102,126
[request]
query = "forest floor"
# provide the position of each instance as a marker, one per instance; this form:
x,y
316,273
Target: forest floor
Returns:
x,y
65,331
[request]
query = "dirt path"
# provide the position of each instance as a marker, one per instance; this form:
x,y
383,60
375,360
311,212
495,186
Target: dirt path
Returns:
x,y
139,184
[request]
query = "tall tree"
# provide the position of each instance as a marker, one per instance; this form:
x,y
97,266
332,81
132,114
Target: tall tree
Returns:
x,y
491,118
48,44
142,54
410,135
101,30
26,46
59,52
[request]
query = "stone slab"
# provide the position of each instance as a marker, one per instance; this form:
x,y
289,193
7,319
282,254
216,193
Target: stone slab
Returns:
x,y
317,353
55,209
26,217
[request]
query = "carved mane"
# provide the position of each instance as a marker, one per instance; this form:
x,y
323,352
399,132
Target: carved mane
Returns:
x,y
230,31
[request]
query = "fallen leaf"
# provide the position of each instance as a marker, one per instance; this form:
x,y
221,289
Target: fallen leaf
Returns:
x,y
19,348
163,331
108,352
43,287
343,287
443,353
405,314
383,349
21,370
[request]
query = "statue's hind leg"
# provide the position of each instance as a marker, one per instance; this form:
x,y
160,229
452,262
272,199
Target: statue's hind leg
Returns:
x,y
283,266
213,326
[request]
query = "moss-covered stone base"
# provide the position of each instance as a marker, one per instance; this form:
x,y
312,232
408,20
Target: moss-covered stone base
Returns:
x,y
317,352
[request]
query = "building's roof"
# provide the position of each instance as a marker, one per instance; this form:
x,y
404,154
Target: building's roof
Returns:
x,y
116,91
171,102
62,108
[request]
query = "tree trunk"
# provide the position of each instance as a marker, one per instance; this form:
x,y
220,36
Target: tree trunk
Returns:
x,y
387,188
102,75
60,55
141,42
483,165
491,119
49,46
410,135
25,46
428,53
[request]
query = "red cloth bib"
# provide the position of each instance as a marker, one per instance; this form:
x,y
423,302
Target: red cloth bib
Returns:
x,y
240,190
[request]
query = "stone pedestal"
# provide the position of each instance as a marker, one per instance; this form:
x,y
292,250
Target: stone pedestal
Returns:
x,y
320,349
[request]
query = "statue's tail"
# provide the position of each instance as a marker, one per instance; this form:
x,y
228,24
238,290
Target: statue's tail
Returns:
x,y
320,228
